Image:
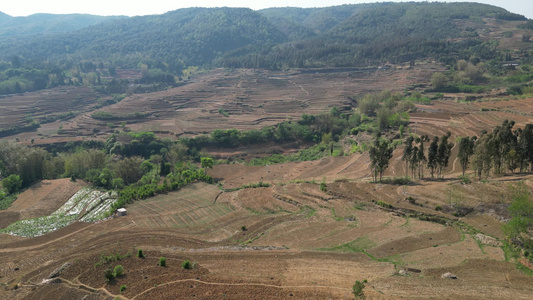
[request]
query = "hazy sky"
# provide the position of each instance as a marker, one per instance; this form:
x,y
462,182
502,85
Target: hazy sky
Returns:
x,y
133,8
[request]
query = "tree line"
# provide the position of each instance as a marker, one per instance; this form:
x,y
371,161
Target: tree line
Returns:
x,y
19,75
503,150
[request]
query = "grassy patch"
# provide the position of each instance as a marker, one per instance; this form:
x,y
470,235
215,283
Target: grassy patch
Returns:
x,y
384,204
509,251
524,269
104,115
407,222
359,245
350,218
480,245
6,201
223,112
359,206
335,217
308,211
251,240
105,259
393,259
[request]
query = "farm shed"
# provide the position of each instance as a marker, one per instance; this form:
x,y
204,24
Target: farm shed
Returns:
x,y
121,212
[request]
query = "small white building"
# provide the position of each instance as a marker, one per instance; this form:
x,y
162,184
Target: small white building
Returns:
x,y
121,212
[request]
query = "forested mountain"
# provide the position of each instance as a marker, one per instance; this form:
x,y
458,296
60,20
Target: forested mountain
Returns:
x,y
345,35
351,35
274,38
39,24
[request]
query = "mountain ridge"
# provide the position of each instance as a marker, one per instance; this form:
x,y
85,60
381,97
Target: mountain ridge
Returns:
x,y
336,36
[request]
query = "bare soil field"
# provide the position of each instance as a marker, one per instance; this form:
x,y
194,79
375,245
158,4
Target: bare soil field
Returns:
x,y
299,243
252,99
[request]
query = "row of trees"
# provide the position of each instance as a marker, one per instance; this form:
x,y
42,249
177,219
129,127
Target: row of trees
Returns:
x,y
414,155
128,157
123,160
19,75
503,150
310,128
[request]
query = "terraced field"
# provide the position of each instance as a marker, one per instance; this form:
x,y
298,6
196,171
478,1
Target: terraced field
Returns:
x,y
189,208
253,99
291,240
298,241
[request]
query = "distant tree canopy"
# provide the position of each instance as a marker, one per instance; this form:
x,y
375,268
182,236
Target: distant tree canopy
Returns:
x,y
347,35
338,36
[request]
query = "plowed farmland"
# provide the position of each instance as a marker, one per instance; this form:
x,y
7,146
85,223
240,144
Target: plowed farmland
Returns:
x,y
298,242
292,239
250,99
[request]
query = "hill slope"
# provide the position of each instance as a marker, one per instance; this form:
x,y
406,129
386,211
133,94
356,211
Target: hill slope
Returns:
x,y
344,35
39,24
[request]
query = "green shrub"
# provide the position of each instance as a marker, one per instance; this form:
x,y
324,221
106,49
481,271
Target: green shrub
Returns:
x,y
464,88
105,259
438,96
514,90
162,261
384,204
465,179
397,181
438,208
108,274
323,187
256,185
243,228
118,271
122,288
104,115
223,112
186,265
12,183
6,200
358,289
140,253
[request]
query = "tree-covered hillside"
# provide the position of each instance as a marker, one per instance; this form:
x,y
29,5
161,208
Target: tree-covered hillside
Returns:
x,y
39,24
194,35
275,38
354,35
338,35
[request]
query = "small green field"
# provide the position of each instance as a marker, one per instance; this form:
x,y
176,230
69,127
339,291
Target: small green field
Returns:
x,y
89,204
